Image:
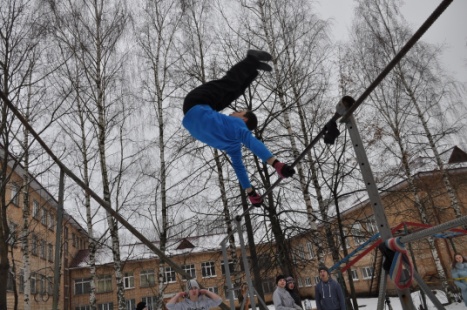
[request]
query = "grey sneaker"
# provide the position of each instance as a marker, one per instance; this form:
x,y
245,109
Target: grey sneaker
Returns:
x,y
260,55
264,66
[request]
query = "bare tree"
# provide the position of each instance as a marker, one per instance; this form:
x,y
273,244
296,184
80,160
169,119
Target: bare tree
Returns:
x,y
406,100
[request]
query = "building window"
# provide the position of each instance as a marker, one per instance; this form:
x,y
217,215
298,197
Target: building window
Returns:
x,y
83,308
354,274
44,217
231,267
107,306
308,281
10,283
104,284
367,272
73,239
371,225
51,221
50,252
151,302
130,304
147,278
213,289
317,279
32,281
34,245
82,286
128,280
208,269
11,239
358,234
269,286
301,252
50,285
190,269
300,282
21,281
169,275
42,249
36,210
15,195
309,247
42,284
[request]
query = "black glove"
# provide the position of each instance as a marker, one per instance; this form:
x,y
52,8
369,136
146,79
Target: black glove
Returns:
x,y
284,170
331,132
255,198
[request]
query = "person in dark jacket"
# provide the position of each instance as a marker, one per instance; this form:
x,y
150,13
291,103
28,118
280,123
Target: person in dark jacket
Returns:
x,y
141,306
229,133
281,298
328,293
290,287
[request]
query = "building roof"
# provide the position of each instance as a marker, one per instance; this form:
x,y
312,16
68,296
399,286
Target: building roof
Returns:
x,y
139,251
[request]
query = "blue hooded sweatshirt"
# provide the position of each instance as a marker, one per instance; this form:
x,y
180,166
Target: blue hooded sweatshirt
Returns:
x,y
329,296
225,133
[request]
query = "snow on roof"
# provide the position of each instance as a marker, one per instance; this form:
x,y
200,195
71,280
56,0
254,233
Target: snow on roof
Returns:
x,y
139,251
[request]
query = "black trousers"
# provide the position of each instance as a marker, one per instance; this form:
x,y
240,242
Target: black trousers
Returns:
x,y
219,94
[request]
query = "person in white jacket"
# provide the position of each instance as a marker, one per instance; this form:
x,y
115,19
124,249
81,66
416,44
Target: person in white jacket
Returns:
x,y
282,298
195,299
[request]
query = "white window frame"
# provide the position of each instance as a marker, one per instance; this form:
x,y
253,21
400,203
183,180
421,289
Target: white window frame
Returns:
x,y
36,210
367,272
149,275
358,233
104,284
231,267
300,282
308,282
169,275
354,274
189,269
128,280
130,304
317,279
106,306
15,195
208,269
82,282
311,253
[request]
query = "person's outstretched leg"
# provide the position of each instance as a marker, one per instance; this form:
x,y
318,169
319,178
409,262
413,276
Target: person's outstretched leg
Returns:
x,y
220,93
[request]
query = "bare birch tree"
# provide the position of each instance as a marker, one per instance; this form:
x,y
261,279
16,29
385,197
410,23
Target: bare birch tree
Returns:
x,y
404,101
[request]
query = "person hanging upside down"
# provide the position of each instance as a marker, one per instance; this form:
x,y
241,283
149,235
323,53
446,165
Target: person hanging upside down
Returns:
x,y
228,133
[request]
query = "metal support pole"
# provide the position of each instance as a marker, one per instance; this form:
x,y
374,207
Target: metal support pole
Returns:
x,y
374,197
428,291
246,266
382,289
461,221
227,276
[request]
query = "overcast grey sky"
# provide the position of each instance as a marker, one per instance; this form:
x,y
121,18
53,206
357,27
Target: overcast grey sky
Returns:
x,y
449,29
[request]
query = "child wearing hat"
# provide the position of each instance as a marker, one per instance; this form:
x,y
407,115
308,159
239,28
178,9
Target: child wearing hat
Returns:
x,y
290,287
281,298
196,298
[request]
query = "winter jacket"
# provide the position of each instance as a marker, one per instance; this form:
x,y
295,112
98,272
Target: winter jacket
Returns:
x,y
203,303
283,300
460,271
295,296
225,133
329,296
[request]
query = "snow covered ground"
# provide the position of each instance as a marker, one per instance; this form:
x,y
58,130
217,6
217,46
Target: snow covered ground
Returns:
x,y
372,303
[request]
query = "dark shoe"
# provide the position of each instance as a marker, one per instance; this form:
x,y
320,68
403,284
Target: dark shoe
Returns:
x,y
260,55
264,66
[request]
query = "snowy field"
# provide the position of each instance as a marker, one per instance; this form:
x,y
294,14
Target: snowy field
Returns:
x,y
372,303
